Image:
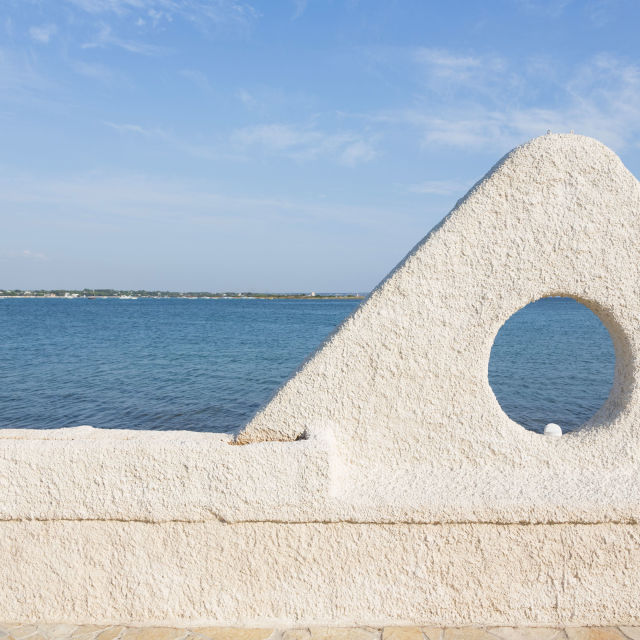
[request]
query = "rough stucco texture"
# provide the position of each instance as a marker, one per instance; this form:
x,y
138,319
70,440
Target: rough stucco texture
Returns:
x,y
266,574
411,497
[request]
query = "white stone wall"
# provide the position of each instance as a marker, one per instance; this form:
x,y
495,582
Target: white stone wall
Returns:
x,y
383,484
336,574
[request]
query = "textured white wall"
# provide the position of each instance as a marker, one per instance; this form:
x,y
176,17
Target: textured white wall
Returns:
x,y
411,497
262,574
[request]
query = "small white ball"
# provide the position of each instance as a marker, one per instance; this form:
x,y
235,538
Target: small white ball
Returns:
x,y
553,429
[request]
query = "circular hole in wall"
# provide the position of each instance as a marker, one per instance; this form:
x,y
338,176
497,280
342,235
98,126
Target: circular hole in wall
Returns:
x,y
552,362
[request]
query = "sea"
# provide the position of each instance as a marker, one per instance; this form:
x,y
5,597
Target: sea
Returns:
x,y
210,364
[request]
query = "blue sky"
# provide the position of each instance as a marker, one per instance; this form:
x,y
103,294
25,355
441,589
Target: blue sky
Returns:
x,y
280,145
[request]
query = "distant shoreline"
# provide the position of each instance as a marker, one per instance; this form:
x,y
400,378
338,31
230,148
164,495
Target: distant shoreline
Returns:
x,y
116,294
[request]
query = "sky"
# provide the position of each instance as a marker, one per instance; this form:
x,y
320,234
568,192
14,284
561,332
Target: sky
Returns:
x,y
280,145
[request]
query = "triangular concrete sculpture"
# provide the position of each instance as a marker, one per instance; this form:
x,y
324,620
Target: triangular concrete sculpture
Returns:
x,y
403,383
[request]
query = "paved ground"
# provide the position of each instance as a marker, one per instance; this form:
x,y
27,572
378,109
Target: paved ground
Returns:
x,y
92,632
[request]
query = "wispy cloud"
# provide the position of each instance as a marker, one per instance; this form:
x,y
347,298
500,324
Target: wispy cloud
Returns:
x,y
446,63
499,108
132,226
296,142
95,70
198,149
454,74
105,199
266,101
600,12
137,129
43,34
130,24
23,254
198,78
154,12
304,143
247,99
299,6
440,187
550,8
106,38
357,152
20,79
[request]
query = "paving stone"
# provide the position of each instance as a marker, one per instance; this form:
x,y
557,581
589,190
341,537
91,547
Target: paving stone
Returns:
x,y
17,631
296,634
86,630
402,633
467,633
594,633
57,630
110,633
232,633
526,633
23,631
344,633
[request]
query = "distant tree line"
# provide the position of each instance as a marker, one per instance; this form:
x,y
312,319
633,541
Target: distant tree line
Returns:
x,y
144,293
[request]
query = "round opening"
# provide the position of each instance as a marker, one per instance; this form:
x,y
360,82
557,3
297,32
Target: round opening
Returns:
x,y
552,362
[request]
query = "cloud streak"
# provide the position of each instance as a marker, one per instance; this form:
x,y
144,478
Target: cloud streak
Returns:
x,y
154,12
198,78
300,6
21,81
440,187
115,200
179,144
106,38
306,143
137,129
497,108
128,24
24,254
43,33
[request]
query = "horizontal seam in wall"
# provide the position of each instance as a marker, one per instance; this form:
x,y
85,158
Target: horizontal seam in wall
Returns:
x,y
499,523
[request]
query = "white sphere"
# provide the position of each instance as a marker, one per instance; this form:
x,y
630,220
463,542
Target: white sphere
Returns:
x,y
553,429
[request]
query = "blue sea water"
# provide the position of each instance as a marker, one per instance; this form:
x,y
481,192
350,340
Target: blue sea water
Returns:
x,y
208,365
552,361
